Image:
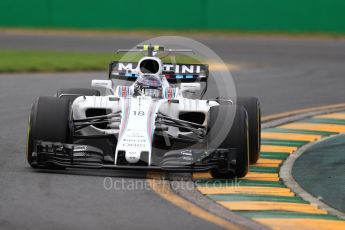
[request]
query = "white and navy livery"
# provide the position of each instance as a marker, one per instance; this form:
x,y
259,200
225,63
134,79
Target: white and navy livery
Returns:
x,y
147,123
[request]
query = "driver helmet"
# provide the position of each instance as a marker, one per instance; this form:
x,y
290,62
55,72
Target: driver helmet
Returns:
x,y
148,85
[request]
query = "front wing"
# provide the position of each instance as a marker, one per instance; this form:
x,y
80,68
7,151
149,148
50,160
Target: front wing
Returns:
x,y
49,154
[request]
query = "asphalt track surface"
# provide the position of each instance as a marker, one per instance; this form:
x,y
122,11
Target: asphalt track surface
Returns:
x,y
285,74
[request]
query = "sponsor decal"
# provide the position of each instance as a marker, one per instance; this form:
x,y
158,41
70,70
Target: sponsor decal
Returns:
x,y
186,153
80,148
175,68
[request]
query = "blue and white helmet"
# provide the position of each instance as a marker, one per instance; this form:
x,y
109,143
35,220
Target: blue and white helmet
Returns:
x,y
148,85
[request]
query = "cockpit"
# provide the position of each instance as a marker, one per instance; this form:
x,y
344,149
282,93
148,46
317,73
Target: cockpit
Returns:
x,y
148,85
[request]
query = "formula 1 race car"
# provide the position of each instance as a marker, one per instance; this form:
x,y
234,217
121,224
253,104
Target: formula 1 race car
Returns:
x,y
147,123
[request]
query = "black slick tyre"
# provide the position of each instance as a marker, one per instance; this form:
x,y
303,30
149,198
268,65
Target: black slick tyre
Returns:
x,y
234,137
49,121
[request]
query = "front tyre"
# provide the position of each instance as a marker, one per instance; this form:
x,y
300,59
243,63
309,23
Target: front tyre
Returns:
x,y
236,137
49,121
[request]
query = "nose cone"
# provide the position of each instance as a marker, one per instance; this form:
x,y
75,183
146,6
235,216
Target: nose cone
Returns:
x,y
133,156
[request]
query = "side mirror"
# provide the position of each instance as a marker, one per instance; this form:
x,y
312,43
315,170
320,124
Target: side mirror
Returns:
x,y
102,84
190,87
107,84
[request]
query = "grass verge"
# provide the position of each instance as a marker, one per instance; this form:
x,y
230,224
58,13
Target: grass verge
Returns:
x,y
148,33
19,61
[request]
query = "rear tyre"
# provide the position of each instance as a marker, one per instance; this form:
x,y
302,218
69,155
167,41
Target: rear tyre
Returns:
x,y
73,93
49,121
252,105
236,137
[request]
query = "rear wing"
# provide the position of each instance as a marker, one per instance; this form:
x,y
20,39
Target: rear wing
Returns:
x,y
173,72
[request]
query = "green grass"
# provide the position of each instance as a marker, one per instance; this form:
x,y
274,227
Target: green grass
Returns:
x,y
16,61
